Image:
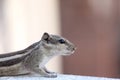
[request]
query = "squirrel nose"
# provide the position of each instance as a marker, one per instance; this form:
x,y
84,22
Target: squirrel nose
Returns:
x,y
74,48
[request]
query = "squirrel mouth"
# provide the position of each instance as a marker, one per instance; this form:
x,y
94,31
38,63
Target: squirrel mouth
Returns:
x,y
71,50
70,53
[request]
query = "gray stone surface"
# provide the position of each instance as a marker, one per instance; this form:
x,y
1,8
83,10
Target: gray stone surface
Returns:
x,y
60,77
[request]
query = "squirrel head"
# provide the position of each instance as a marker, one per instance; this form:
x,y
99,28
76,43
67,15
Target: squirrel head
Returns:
x,y
56,45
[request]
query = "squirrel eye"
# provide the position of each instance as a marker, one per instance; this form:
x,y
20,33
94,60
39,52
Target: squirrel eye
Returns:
x,y
61,41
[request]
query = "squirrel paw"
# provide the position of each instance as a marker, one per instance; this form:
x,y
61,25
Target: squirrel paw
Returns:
x,y
51,75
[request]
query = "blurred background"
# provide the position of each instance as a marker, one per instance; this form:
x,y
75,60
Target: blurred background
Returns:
x,y
92,25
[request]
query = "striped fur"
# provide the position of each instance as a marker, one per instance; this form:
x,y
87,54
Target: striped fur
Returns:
x,y
13,58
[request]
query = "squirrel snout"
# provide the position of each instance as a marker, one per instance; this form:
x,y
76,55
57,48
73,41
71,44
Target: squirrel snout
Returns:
x,y
72,48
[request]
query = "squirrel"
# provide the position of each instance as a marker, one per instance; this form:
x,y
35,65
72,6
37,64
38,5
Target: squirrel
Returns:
x,y
32,59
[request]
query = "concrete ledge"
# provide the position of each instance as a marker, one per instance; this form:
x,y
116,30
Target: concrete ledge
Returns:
x,y
60,77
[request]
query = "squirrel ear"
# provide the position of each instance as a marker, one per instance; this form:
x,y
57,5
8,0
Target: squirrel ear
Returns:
x,y
46,36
